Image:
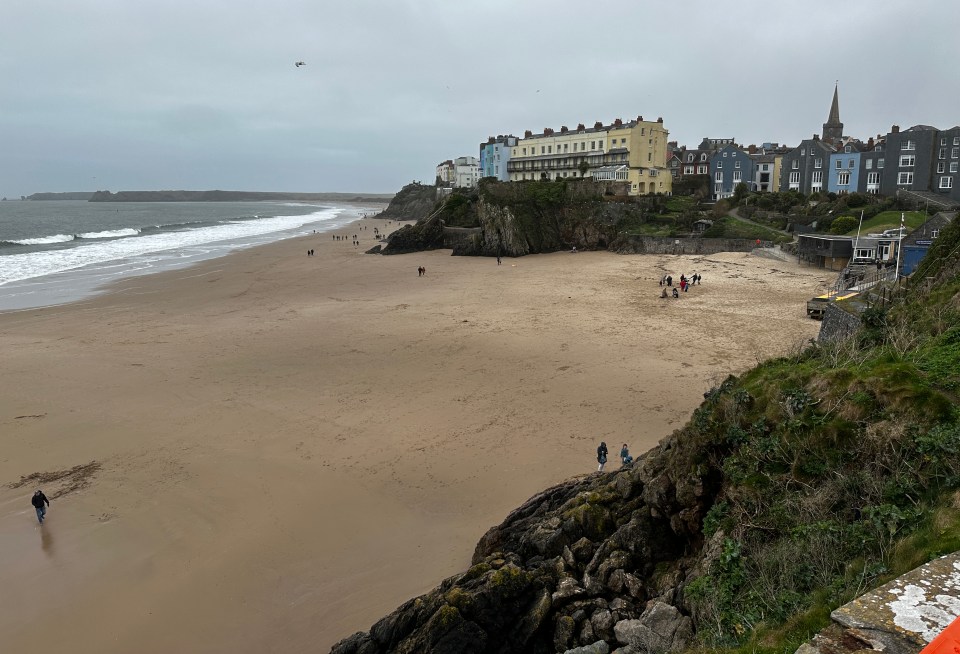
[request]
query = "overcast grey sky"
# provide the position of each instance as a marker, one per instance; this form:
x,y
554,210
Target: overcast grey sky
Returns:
x,y
163,94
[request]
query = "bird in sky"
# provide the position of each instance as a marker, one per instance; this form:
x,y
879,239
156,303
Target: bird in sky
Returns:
x,y
300,63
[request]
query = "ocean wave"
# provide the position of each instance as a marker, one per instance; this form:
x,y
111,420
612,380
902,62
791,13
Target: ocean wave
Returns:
x,y
42,240
110,233
103,251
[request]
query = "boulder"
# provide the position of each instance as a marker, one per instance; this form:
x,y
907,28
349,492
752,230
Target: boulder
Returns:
x,y
599,647
661,628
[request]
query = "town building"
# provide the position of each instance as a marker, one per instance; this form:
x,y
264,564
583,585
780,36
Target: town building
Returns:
x,y
446,173
916,244
632,151
803,168
730,166
872,162
494,155
466,172
910,159
843,174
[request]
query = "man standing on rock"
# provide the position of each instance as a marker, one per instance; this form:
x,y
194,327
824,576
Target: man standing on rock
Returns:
x,y
40,503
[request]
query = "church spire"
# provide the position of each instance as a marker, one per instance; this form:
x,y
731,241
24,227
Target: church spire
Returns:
x,y
833,128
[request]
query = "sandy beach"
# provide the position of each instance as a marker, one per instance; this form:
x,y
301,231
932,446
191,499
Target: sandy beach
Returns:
x,y
270,451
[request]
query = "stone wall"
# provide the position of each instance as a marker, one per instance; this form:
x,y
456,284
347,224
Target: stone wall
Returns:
x,y
633,244
837,324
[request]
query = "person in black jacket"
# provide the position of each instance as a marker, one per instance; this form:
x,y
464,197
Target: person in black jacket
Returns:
x,y
40,503
601,456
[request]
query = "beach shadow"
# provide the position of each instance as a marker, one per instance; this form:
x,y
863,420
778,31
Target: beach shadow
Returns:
x,y
46,540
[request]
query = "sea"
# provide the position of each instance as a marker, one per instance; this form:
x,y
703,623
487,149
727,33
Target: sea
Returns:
x,y
58,251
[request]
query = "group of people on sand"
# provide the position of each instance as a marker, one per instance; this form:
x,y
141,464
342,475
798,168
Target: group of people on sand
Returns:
x,y
625,458
684,286
421,271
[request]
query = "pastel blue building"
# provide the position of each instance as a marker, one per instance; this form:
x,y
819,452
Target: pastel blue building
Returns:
x,y
730,166
494,155
843,175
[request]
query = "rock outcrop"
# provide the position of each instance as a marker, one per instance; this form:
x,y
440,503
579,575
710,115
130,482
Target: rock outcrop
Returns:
x,y
589,565
414,201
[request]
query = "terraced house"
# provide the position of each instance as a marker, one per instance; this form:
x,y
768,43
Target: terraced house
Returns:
x,y
632,152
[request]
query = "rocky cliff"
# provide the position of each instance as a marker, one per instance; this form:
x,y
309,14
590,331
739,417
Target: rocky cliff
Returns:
x,y
792,489
414,201
529,218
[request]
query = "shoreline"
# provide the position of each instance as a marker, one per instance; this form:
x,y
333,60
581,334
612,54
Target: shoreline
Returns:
x,y
78,284
291,446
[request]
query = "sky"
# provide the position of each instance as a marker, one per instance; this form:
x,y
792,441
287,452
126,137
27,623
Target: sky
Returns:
x,y
168,94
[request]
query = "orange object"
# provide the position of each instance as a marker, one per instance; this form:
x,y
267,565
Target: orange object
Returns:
x,y
948,642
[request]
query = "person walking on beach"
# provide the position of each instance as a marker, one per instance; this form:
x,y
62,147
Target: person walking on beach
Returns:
x,y
40,503
601,456
625,458
498,259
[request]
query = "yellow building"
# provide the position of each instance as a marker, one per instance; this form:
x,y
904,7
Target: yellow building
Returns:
x,y
633,152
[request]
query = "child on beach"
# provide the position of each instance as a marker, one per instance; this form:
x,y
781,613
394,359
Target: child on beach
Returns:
x,y
625,458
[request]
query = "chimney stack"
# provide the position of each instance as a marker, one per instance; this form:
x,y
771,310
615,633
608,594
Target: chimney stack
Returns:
x,y
895,129
598,125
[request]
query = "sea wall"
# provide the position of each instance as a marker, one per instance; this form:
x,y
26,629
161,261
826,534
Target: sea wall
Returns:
x,y
634,244
837,324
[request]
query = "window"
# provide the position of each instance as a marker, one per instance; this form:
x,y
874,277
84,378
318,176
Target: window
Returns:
x,y
701,170
817,177
946,182
764,167
873,178
718,188
934,233
703,157
600,144
956,140
838,164
543,149
649,156
941,166
623,141
843,179
643,131
908,145
794,178
850,164
583,145
719,164
869,164
719,176
550,149
953,166
524,151
688,170
795,164
690,158
724,155
736,165
880,162
847,149
803,152
736,176
943,153
954,152
905,178
593,145
943,141
564,147
907,160
818,163
574,147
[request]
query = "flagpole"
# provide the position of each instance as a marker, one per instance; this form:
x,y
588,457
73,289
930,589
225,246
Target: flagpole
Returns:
x,y
899,250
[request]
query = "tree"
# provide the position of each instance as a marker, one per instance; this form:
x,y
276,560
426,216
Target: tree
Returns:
x,y
739,192
843,224
583,167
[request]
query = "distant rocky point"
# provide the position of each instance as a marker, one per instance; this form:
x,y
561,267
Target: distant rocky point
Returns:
x,y
83,195
233,196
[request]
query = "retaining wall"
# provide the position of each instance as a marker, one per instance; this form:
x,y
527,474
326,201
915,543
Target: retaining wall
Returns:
x,y
837,324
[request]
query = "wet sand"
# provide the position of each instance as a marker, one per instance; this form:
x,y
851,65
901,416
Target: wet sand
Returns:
x,y
288,447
